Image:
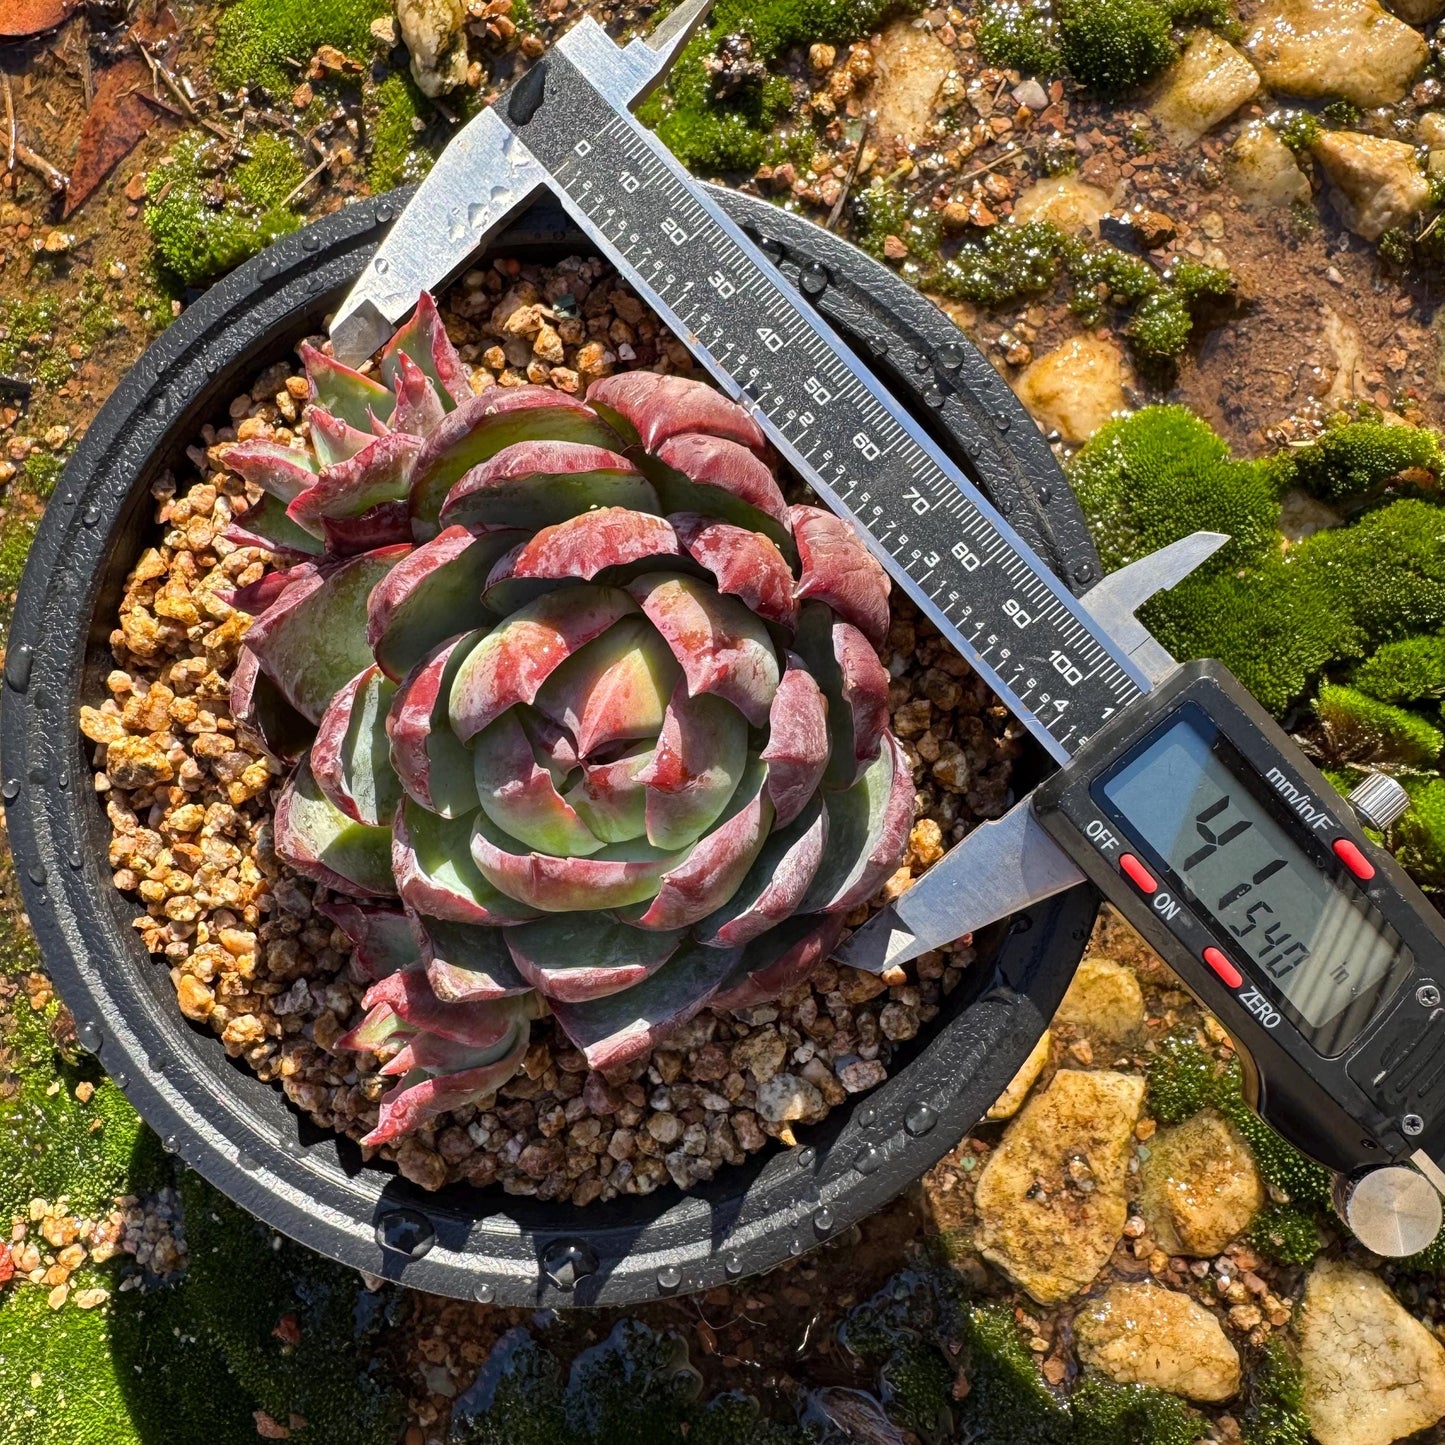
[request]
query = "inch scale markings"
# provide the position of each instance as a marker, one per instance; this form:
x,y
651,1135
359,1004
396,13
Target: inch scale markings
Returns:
x,y
839,427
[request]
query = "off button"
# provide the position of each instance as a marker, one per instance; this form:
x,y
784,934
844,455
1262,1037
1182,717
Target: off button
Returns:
x,y
1138,874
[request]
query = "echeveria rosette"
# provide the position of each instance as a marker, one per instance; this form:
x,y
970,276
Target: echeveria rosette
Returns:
x,y
585,717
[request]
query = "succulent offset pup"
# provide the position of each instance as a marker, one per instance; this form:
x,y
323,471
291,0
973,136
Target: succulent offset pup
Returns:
x,y
586,719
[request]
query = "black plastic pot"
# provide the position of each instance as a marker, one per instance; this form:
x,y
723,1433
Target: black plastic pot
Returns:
x,y
241,1134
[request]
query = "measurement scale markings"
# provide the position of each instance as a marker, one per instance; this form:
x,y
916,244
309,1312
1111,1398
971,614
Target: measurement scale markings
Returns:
x,y
922,511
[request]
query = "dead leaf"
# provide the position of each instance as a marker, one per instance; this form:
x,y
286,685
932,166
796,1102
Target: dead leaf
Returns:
x,y
117,121
21,18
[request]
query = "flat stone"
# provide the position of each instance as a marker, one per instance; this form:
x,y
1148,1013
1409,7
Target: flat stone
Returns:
x,y
1324,48
1011,1100
436,41
1378,183
786,1097
1104,1001
910,66
1077,387
1372,1373
1143,1334
1199,1186
1068,202
1206,85
1262,171
1048,1232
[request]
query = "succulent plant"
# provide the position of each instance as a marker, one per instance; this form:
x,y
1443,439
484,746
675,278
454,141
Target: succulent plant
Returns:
x,y
585,717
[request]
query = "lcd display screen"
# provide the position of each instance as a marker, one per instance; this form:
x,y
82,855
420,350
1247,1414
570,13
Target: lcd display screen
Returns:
x,y
1318,939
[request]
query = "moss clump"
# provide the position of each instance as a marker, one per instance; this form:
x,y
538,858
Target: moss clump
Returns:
x,y
397,157
1285,1234
1298,129
16,535
882,211
1361,729
1008,1399
1355,459
1010,262
197,239
261,42
1420,835
1274,1411
1106,1413
1404,671
1020,35
42,473
1183,1079
1114,46
1160,474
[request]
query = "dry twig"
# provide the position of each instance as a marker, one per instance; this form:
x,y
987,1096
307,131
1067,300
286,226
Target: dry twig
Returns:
x,y
54,177
9,117
852,175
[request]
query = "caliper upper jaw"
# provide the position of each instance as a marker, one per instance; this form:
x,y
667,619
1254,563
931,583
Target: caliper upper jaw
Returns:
x,y
483,178
1113,602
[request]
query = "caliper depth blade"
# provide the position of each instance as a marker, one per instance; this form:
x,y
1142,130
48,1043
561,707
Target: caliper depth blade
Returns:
x,y
1001,867
839,426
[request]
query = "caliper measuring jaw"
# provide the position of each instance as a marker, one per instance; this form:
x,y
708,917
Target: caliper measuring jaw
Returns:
x,y
485,176
1010,864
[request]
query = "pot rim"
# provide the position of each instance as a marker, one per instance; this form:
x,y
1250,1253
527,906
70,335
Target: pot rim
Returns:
x,y
241,1134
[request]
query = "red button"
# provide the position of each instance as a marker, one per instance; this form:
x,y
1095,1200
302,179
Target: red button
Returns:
x,y
1137,873
1353,859
1223,967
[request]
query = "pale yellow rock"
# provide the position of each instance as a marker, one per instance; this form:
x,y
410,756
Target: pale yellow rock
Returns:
x,y
910,66
963,314
1199,1188
1325,48
1430,129
1372,1373
1034,1221
1378,183
1301,516
1206,85
1077,387
432,31
1262,171
1011,1100
1071,204
1347,350
1104,1001
1142,1334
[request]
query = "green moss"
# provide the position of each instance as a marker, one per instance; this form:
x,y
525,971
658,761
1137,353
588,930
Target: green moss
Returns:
x,y
1404,671
1420,835
1285,1234
199,235
42,472
1361,729
917,1387
1183,1078
1106,1413
1114,46
1342,115
16,535
1105,273
1153,477
1355,459
734,1419
1019,35
1008,1399
1164,321
882,211
397,157
1298,129
516,1400
1274,1410
266,43
1010,262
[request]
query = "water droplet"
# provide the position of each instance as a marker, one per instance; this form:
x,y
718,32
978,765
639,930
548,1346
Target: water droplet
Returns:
x,y
121,1080
382,265
39,773
868,1115
41,700
568,1261
868,1160
669,1277
89,1036
310,241
75,860
247,1161
11,789
1002,420
62,779
919,1119
38,874
795,1245
477,213
500,193
806,1155
823,1220
1045,494
17,666
405,1231
170,1142
159,1063
384,212
484,1293
733,1264
933,398
951,357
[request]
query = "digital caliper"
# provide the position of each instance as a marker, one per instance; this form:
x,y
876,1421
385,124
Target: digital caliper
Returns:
x,y
1177,796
